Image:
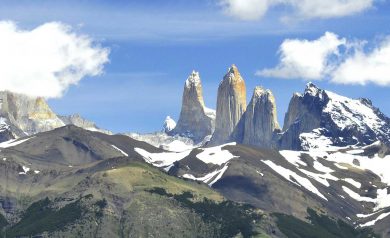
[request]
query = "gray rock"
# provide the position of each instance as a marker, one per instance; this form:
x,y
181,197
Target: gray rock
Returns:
x,y
259,121
196,121
27,115
303,115
320,119
231,105
79,121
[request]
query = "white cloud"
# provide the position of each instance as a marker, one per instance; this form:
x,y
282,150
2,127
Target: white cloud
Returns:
x,y
45,61
362,68
329,8
335,59
256,9
247,9
306,59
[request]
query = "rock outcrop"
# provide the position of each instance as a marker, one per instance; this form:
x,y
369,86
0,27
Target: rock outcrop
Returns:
x,y
259,123
79,121
321,119
196,121
27,115
22,115
231,105
169,125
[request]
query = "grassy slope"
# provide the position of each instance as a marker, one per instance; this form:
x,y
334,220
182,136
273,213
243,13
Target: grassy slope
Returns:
x,y
320,226
138,177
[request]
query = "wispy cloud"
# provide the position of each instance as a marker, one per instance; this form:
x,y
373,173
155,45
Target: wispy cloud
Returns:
x,y
187,22
305,9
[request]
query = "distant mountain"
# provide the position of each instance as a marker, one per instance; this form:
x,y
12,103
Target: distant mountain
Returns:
x,y
321,119
231,105
79,121
196,120
169,125
21,115
258,126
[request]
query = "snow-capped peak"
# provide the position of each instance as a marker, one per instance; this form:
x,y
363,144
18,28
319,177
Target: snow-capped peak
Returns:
x,y
346,112
312,89
347,121
331,120
193,79
169,124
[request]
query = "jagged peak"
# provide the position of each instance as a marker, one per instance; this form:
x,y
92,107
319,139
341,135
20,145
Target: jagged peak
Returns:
x,y
312,89
233,74
259,91
169,124
193,79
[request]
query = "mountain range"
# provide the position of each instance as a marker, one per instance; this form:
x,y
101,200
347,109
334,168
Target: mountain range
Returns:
x,y
233,172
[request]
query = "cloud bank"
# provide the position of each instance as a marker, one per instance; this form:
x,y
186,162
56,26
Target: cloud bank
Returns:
x,y
332,58
47,60
256,9
306,59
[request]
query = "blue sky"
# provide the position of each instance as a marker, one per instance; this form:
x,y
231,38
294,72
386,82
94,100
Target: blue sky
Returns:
x,y
154,45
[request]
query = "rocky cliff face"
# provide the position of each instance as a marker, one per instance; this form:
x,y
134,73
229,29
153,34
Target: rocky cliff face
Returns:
x,y
196,121
231,105
320,118
26,115
21,115
259,121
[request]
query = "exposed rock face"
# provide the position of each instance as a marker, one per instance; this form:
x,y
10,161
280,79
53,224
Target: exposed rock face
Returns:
x,y
303,115
21,115
231,105
26,115
79,121
169,124
196,121
260,120
319,119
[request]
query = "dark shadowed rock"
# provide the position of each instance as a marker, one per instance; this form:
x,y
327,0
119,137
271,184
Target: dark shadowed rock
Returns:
x,y
259,123
319,119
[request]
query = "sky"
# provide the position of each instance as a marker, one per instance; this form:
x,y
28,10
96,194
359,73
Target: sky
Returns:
x,y
123,64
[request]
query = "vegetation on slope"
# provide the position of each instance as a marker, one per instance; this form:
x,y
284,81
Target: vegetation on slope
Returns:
x,y
320,226
40,217
3,221
139,177
229,218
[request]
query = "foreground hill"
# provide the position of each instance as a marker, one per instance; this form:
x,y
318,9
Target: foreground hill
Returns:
x,y
348,183
72,182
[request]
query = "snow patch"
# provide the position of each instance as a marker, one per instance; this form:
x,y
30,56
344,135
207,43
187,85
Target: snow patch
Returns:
x,y
177,146
353,182
122,152
161,159
216,155
300,181
206,179
293,157
357,196
380,217
25,170
13,142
